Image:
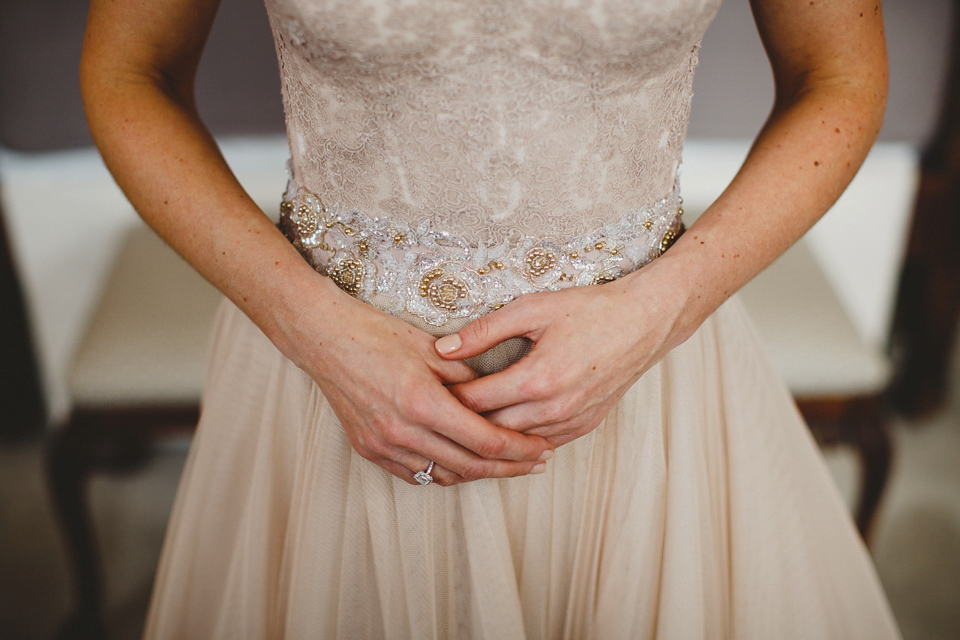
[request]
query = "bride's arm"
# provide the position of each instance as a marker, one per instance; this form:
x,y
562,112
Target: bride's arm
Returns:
x,y
592,343
382,376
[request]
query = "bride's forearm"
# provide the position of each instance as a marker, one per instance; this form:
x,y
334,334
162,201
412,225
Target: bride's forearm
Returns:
x,y
170,168
831,97
796,170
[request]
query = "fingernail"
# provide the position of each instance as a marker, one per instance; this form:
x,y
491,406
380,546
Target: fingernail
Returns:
x,y
540,467
546,455
448,344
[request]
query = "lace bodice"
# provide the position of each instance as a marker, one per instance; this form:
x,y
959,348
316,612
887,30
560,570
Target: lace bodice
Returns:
x,y
489,118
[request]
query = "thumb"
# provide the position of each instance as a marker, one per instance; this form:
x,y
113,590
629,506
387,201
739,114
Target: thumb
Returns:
x,y
483,334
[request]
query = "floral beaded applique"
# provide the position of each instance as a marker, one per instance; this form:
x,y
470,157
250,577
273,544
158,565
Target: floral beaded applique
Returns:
x,y
439,276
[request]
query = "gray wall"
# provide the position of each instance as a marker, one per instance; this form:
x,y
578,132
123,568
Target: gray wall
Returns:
x,y
238,89
734,88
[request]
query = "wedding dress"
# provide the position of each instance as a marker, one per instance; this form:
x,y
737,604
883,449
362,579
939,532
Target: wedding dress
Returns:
x,y
446,157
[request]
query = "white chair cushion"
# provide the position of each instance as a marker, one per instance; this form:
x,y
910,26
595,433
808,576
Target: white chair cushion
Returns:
x,y
811,338
146,342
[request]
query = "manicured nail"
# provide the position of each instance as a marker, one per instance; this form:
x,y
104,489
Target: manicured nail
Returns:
x,y
540,467
448,344
546,455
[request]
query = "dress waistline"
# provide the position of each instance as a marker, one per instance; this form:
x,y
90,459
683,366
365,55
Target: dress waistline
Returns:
x,y
439,276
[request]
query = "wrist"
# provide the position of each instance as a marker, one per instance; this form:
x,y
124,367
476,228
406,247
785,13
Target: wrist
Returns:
x,y
674,287
304,311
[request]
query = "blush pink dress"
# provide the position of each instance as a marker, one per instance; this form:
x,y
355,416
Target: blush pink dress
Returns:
x,y
448,156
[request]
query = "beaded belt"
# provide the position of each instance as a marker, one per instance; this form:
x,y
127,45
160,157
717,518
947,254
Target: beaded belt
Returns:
x,y
438,276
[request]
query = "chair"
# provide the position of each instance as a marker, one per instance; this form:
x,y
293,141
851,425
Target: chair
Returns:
x,y
928,297
21,394
136,378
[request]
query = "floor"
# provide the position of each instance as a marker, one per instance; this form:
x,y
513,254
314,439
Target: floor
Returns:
x,y
916,548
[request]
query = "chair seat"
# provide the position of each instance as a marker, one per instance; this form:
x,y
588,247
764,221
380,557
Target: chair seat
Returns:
x,y
146,343
809,335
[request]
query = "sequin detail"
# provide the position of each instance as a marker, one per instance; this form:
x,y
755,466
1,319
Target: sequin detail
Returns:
x,y
439,276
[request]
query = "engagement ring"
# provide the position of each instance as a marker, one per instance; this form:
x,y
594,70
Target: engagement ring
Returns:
x,y
424,477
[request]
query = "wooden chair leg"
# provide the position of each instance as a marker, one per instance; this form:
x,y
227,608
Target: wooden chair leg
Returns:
x,y
75,452
862,423
95,442
875,448
68,469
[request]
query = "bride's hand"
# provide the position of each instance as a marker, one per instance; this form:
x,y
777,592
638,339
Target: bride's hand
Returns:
x,y
385,382
590,345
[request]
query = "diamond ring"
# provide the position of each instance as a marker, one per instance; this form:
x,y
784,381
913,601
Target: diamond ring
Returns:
x,y
424,477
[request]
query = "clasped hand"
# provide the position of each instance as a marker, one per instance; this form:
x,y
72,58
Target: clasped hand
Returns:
x,y
590,344
405,399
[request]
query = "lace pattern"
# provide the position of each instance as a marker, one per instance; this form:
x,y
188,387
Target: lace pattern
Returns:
x,y
438,275
489,117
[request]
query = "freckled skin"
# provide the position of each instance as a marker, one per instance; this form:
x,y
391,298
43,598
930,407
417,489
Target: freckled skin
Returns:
x,y
138,64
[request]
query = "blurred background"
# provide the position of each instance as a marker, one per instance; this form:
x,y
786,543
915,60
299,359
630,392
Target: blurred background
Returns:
x,y
104,328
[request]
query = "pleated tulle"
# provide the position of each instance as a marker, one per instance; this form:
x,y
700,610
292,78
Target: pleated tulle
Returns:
x,y
700,508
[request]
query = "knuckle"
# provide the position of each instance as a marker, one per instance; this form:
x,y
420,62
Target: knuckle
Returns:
x,y
405,439
474,470
366,453
416,407
378,449
392,433
365,446
537,386
479,330
553,412
445,480
471,402
563,409
492,447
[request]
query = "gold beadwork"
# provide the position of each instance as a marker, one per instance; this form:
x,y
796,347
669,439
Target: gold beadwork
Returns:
x,y
669,238
539,261
604,278
308,220
426,279
348,275
445,292
363,255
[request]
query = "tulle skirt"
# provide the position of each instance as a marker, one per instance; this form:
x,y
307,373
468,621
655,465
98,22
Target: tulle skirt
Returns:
x,y
700,508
